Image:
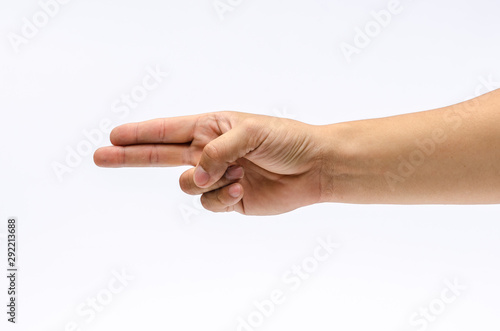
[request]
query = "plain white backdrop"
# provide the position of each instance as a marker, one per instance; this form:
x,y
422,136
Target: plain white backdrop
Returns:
x,y
70,72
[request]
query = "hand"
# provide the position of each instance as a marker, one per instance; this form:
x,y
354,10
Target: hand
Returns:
x,y
252,164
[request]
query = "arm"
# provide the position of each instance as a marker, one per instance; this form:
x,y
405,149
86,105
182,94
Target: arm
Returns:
x,y
262,165
449,155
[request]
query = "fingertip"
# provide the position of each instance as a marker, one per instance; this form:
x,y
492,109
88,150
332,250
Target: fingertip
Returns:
x,y
235,190
184,181
234,172
113,136
121,134
223,199
106,157
98,158
201,177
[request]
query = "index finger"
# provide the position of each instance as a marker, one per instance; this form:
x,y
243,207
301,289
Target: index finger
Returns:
x,y
171,130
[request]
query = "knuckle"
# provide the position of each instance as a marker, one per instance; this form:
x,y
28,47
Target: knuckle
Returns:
x,y
224,199
221,198
184,183
122,156
162,131
154,155
205,202
229,209
256,128
187,184
212,152
251,124
188,157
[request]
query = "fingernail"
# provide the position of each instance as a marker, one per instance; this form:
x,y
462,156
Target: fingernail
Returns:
x,y
235,191
234,172
201,177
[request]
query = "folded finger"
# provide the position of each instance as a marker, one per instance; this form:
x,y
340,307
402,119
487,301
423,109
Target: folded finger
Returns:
x,y
186,180
224,199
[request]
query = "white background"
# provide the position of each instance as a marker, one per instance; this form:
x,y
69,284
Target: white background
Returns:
x,y
195,270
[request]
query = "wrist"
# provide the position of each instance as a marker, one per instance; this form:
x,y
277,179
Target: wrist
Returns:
x,y
333,160
346,162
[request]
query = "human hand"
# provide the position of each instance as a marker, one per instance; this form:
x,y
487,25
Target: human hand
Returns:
x,y
251,164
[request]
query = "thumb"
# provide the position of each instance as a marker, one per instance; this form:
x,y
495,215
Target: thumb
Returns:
x,y
218,154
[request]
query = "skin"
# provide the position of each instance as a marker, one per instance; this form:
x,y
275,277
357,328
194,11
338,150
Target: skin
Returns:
x,y
263,165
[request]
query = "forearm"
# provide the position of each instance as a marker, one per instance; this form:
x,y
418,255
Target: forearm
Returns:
x,y
448,155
